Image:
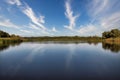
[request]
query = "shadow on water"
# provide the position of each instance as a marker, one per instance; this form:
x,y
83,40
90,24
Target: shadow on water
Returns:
x,y
6,45
111,46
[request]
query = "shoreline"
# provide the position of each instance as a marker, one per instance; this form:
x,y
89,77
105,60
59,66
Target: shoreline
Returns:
x,y
61,40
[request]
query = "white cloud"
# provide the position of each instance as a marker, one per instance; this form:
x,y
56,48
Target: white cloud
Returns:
x,y
97,7
36,29
7,23
41,19
33,26
30,13
89,29
111,21
104,15
14,2
69,14
26,31
37,21
54,29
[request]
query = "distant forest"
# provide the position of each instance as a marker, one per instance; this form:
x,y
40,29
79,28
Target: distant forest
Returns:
x,y
114,33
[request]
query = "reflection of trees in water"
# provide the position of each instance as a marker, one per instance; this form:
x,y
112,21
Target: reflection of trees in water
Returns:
x,y
111,46
4,46
95,43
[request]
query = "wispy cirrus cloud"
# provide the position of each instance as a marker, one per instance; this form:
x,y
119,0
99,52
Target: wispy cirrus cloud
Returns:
x,y
100,15
31,15
25,31
98,7
105,12
14,2
37,21
33,26
37,29
7,23
111,21
104,15
69,14
88,30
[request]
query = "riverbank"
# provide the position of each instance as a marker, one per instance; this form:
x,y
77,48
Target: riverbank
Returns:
x,y
61,39
65,39
112,40
11,40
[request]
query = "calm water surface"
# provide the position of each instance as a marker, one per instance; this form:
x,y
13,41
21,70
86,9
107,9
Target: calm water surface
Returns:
x,y
60,61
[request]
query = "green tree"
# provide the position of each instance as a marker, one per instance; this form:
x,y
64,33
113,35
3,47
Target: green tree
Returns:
x,y
111,34
115,33
4,34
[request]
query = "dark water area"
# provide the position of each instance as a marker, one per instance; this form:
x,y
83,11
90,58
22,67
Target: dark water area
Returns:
x,y
59,61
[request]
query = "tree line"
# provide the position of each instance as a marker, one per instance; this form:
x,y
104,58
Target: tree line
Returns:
x,y
114,33
6,35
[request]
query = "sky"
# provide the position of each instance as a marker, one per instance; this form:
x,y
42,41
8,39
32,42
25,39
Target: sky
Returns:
x,y
59,17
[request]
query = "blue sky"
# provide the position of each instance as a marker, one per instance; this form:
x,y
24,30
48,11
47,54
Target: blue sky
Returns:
x,y
59,17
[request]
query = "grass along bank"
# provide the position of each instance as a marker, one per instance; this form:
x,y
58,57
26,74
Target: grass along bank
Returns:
x,y
11,40
112,40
